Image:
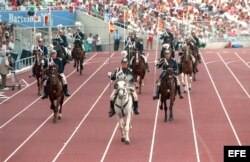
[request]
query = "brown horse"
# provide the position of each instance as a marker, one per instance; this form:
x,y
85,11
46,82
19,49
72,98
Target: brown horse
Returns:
x,y
168,91
55,91
78,54
186,69
139,69
195,52
38,70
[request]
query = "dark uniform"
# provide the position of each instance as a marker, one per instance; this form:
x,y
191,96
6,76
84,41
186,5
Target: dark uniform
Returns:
x,y
60,69
78,35
168,38
164,64
128,73
63,40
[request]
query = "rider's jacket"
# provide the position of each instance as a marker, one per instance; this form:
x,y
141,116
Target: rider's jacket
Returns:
x,y
164,64
120,72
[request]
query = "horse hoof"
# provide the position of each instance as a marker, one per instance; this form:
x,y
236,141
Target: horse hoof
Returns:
x,y
123,139
161,108
165,120
171,119
54,120
127,142
59,117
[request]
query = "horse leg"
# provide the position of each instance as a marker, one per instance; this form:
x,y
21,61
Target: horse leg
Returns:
x,y
121,123
77,65
60,107
74,63
161,105
166,111
182,79
194,75
171,117
127,126
39,87
81,66
190,82
55,112
140,82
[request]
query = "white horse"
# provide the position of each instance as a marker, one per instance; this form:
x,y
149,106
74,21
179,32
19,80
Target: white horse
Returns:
x,y
123,108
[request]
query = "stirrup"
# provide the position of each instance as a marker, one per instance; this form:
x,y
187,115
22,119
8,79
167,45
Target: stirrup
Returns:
x,y
155,97
136,112
44,97
111,113
181,97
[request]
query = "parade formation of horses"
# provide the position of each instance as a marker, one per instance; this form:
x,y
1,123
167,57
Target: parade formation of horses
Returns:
x,y
139,69
123,108
168,92
38,70
78,54
55,92
186,69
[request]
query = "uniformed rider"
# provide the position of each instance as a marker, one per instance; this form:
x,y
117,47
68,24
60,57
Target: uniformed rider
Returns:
x,y
44,51
165,63
55,60
123,70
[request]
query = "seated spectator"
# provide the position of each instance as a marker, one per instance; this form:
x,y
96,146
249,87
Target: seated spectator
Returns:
x,y
31,10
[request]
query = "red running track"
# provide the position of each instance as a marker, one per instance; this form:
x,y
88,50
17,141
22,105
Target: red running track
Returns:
x,y
214,114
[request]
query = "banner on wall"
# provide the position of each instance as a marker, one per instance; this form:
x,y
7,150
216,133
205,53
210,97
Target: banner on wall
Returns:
x,y
21,18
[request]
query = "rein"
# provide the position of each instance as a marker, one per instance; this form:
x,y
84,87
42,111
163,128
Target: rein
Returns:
x,y
122,106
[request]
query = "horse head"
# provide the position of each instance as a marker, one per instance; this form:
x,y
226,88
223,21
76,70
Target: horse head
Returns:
x,y
53,74
122,89
78,43
38,56
168,78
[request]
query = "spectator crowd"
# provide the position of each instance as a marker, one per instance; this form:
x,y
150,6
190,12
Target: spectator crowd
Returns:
x,y
210,19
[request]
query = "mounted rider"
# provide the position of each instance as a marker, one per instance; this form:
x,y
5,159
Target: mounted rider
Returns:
x,y
123,70
78,34
139,48
63,41
194,44
55,60
44,51
165,63
168,38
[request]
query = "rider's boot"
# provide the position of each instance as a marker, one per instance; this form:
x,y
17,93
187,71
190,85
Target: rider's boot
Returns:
x,y
45,91
65,90
112,109
136,111
147,67
157,93
179,91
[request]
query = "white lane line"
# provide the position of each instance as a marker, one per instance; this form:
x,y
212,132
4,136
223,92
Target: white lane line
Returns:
x,y
18,92
3,125
232,61
222,104
31,135
25,82
246,63
210,62
31,85
154,133
109,143
193,126
79,125
233,75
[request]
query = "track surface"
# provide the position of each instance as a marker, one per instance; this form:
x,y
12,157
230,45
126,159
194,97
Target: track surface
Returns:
x,y
215,113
